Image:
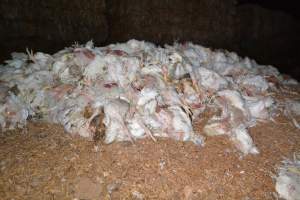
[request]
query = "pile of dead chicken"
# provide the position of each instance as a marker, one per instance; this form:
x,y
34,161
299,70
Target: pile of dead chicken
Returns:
x,y
136,89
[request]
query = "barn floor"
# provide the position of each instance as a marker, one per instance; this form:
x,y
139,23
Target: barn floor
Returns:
x,y
46,163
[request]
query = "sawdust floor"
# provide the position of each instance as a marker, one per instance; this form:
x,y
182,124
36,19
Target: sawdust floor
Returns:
x,y
46,163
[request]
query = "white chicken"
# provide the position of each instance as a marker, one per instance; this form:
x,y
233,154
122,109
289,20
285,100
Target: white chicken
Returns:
x,y
288,179
210,80
116,130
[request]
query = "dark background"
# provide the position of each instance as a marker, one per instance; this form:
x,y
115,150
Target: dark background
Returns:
x,y
267,31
